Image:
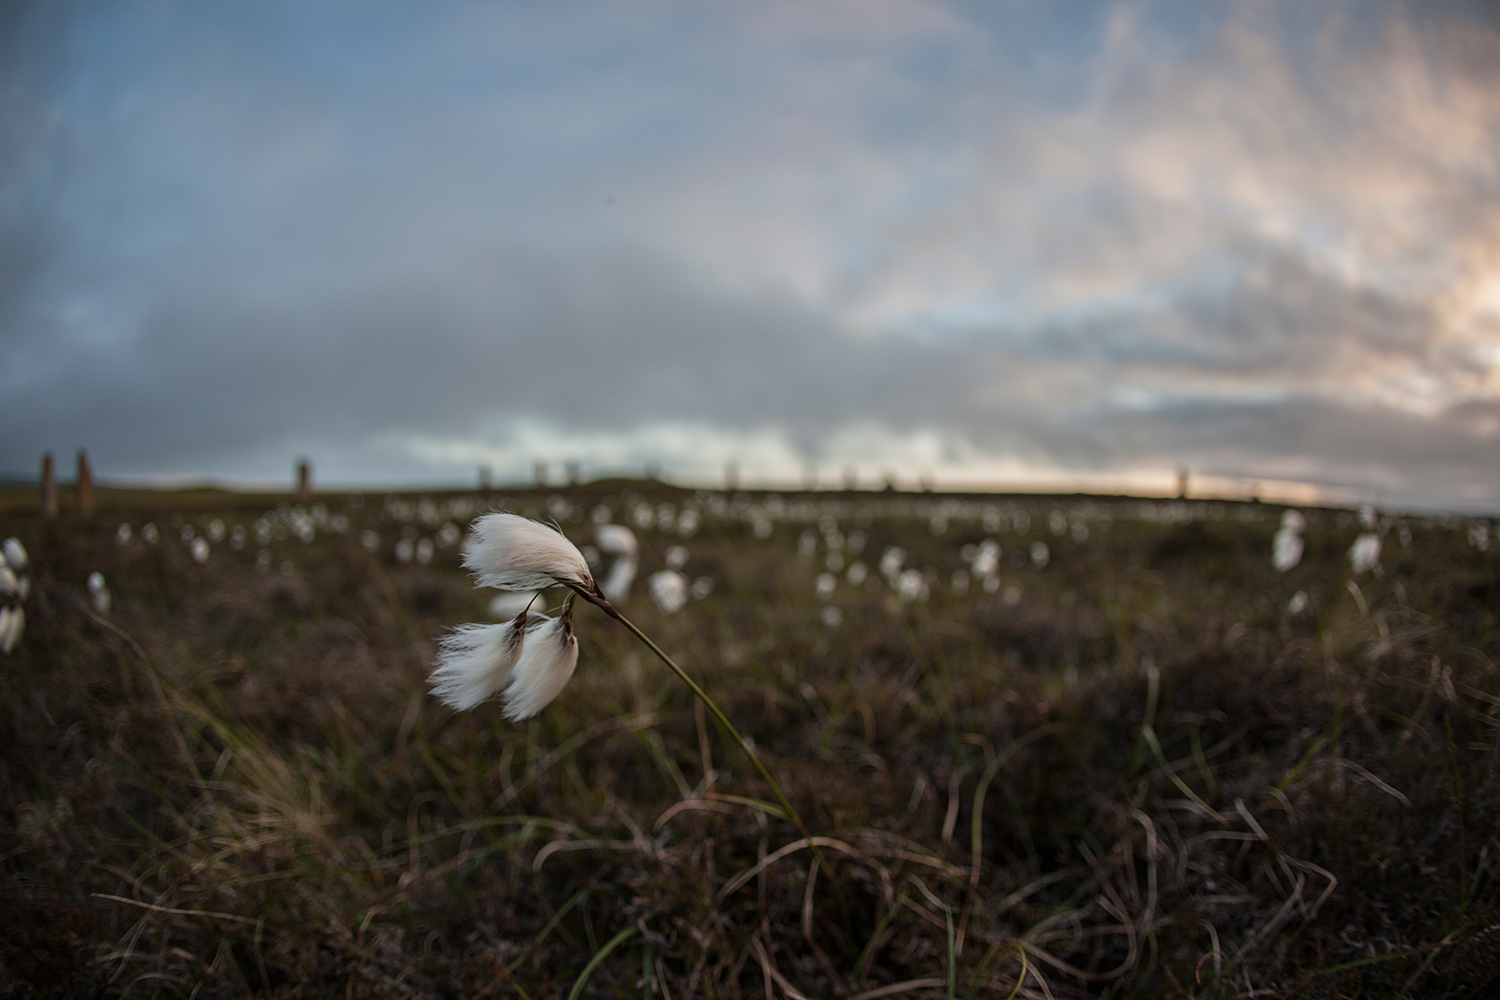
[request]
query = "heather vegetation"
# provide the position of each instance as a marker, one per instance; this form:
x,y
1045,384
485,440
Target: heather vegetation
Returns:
x,y
1046,747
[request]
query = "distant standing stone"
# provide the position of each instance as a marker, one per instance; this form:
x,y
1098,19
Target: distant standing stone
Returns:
x,y
49,486
85,485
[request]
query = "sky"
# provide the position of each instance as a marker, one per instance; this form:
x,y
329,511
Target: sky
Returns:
x,y
982,244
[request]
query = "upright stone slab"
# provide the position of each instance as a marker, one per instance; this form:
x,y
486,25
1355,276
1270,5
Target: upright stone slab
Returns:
x,y
85,485
49,486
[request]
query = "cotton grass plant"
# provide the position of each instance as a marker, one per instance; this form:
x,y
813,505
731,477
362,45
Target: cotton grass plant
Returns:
x,y
527,662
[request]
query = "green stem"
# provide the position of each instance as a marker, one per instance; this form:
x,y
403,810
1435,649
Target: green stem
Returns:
x,y
729,726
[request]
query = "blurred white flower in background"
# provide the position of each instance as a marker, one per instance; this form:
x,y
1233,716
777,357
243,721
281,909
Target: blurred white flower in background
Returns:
x,y
405,549
616,539
857,573
986,560
425,550
215,530
122,535
1040,554
448,535
199,548
669,589
14,588
1286,546
508,604
960,582
1364,554
1297,604
149,534
891,561
370,540
831,616
99,593
807,544
1479,535
12,625
263,561
620,542
237,536
911,586
825,585
676,557
702,587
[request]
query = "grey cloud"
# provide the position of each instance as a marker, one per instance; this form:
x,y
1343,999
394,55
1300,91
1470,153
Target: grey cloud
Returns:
x,y
615,342
236,257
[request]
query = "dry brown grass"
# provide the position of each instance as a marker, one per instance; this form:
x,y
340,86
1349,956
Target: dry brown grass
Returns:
x,y
1145,778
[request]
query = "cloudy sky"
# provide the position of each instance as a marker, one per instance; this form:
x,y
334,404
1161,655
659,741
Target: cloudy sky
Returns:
x,y
986,242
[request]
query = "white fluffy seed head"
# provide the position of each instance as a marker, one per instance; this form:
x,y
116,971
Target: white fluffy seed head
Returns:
x,y
12,624
616,539
1286,549
1365,552
669,589
15,553
515,553
617,581
547,662
476,661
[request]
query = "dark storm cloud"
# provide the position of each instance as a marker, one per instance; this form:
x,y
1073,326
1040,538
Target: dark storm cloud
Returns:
x,y
611,341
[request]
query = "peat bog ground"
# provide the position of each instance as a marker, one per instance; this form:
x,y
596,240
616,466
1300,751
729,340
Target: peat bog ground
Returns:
x,y
1048,746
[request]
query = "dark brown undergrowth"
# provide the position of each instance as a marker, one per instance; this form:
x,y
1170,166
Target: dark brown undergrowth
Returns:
x,y
1127,769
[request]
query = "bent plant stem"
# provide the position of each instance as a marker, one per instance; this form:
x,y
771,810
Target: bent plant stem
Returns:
x,y
730,727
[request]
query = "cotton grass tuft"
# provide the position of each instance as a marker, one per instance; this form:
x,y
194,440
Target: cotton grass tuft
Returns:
x,y
546,664
511,552
1287,545
12,624
477,661
530,659
99,593
1364,554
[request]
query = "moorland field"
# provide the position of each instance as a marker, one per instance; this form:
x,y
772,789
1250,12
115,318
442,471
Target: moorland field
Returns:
x,y
1056,746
